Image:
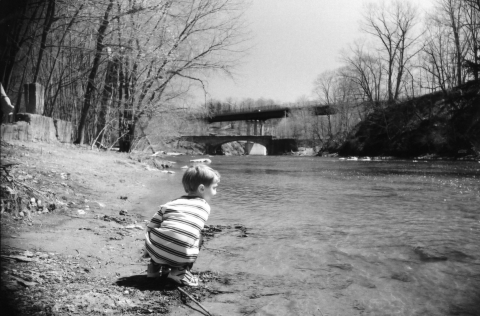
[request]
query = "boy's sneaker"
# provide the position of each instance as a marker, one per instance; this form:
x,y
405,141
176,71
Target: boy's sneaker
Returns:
x,y
153,270
183,277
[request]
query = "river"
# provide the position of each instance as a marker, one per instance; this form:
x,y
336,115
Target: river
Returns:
x,y
332,237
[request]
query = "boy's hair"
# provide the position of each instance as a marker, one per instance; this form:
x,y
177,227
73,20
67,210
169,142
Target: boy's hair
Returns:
x,y
199,174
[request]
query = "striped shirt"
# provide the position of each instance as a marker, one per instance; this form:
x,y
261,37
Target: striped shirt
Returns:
x,y
173,234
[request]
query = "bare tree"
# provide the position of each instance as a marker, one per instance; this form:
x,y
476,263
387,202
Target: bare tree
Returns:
x,y
338,89
366,71
394,27
182,42
90,90
449,13
437,57
325,89
472,25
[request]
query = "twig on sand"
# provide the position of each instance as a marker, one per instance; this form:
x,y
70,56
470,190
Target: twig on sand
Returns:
x,y
196,302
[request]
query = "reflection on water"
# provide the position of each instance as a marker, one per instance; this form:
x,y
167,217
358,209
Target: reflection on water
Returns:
x,y
378,232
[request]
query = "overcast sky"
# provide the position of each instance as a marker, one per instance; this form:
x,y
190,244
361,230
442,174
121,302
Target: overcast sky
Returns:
x,y
293,42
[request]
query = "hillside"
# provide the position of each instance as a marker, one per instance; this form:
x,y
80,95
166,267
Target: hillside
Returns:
x,y
436,124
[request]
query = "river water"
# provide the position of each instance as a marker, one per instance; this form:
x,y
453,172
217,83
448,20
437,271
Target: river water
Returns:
x,y
332,237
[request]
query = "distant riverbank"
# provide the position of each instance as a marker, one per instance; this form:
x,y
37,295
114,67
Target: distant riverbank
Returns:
x,y
433,125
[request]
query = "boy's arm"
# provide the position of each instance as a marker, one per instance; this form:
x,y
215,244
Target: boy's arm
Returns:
x,y
156,220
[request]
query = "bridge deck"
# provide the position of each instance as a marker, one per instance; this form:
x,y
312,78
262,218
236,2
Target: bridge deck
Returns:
x,y
266,114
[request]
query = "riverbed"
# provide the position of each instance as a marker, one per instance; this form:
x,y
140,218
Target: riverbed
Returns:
x,y
333,237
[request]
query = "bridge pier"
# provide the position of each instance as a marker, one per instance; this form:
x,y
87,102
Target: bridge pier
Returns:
x,y
274,146
258,128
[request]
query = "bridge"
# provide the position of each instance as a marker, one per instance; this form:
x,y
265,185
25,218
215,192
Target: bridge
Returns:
x,y
257,118
274,146
265,113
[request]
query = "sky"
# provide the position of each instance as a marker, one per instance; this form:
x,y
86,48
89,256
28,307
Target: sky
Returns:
x,y
293,42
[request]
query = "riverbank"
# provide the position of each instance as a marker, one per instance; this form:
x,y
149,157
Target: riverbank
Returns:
x,y
82,257
76,248
439,124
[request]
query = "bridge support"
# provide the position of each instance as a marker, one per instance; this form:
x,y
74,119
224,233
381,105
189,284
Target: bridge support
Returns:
x,y
274,146
258,127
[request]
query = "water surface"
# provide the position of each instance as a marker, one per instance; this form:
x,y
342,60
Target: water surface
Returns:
x,y
348,230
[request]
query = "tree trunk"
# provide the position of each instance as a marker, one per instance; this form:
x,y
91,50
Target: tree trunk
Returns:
x,y
49,18
111,78
93,73
127,129
455,23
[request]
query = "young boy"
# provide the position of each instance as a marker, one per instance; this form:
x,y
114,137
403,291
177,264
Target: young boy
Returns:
x,y
173,235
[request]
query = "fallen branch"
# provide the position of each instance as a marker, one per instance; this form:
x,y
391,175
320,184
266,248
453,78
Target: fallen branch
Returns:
x,y
102,131
191,297
32,189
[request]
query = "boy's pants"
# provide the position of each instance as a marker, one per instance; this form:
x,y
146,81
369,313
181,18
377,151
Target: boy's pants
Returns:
x,y
153,268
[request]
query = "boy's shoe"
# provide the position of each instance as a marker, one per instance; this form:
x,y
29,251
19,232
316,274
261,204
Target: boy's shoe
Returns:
x,y
153,270
183,277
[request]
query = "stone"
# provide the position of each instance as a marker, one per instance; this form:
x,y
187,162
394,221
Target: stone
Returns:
x,y
39,128
427,254
64,131
33,127
401,276
205,160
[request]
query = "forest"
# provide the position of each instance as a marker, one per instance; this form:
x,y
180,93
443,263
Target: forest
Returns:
x,y
120,70
109,66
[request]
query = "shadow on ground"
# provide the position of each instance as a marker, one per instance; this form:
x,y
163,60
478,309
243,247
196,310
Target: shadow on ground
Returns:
x,y
142,283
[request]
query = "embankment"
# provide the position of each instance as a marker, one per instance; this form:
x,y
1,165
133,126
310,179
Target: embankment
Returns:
x,y
438,124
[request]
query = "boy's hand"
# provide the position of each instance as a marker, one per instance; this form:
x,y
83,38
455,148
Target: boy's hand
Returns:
x,y
145,254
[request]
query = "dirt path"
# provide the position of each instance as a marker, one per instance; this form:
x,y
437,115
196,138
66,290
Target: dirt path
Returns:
x,y
84,257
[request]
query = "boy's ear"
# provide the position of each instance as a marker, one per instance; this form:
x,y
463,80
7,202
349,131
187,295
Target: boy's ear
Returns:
x,y
201,188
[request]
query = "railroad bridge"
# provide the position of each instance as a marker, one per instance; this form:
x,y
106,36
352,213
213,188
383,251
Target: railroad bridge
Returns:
x,y
255,118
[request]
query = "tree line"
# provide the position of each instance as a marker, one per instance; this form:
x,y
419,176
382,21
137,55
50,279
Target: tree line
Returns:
x,y
404,53
110,66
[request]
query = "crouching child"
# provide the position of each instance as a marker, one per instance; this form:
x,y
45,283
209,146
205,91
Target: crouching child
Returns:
x,y
173,235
